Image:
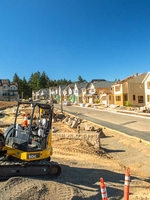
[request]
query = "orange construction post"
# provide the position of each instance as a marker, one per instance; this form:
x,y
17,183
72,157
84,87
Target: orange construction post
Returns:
x,y
103,190
127,184
25,120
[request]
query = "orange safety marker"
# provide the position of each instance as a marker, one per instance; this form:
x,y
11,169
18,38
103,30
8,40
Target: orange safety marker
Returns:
x,y
25,120
127,184
103,190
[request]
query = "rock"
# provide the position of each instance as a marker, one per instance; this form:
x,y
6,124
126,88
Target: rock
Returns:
x,y
100,130
82,126
69,122
66,119
89,128
75,123
60,116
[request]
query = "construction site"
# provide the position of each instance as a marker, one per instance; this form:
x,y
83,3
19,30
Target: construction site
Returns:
x,y
85,152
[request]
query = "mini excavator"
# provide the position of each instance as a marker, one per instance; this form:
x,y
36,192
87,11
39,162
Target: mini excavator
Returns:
x,y
26,149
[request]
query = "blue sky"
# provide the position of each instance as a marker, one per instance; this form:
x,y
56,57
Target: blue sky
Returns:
x,y
66,38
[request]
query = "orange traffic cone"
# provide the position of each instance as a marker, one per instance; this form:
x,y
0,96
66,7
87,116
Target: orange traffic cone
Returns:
x,y
103,190
127,184
25,120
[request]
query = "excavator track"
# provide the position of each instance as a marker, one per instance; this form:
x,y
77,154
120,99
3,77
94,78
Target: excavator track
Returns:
x,y
41,168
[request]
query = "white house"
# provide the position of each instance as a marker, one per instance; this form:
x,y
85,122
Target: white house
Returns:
x,y
80,91
146,82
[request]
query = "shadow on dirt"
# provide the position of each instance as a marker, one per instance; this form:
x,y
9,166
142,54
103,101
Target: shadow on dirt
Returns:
x,y
87,179
112,150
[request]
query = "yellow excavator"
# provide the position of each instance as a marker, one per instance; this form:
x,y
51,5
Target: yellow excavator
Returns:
x,y
26,149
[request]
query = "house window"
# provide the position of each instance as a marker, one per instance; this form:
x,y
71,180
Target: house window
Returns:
x,y
148,98
125,97
140,99
134,97
118,98
148,85
92,90
109,98
117,88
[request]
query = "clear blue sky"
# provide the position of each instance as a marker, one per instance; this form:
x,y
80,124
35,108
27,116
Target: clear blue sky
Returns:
x,y
66,38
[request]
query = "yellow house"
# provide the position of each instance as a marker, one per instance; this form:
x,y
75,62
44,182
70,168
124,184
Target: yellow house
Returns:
x,y
129,91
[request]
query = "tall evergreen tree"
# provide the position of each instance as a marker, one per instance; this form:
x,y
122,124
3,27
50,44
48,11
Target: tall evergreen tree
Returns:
x,y
80,79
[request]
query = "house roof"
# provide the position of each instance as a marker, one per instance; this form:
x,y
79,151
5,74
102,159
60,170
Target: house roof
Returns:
x,y
133,78
71,85
62,86
44,90
139,78
81,85
103,84
147,75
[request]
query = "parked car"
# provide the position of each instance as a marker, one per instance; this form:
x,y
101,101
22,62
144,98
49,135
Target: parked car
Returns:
x,y
67,103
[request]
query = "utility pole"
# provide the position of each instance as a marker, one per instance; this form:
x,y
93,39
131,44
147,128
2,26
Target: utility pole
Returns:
x,y
61,99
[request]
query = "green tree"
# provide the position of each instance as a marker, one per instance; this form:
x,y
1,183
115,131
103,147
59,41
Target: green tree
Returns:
x,y
80,79
34,81
16,78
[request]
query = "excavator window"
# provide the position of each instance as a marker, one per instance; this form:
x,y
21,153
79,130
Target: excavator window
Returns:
x,y
34,135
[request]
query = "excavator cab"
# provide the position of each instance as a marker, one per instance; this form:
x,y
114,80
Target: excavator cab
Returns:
x,y
29,141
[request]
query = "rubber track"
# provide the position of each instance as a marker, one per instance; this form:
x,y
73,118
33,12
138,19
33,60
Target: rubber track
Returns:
x,y
24,164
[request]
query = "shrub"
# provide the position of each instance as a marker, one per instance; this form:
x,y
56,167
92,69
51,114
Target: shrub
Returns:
x,y
127,103
97,101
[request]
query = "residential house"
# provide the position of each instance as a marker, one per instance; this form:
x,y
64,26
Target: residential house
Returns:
x,y
40,94
53,92
146,83
8,90
60,92
130,91
79,91
68,92
99,91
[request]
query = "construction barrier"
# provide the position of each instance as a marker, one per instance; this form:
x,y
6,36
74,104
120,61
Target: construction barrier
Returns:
x,y
127,184
103,190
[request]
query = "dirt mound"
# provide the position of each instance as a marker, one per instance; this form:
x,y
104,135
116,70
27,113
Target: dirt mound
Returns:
x,y
76,146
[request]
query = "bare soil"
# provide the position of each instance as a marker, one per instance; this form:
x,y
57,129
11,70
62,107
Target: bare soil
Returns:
x,y
6,104
82,166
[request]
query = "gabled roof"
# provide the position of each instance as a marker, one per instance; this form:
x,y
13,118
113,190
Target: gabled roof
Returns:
x,y
44,90
147,75
71,85
134,78
102,84
62,86
125,80
4,81
81,85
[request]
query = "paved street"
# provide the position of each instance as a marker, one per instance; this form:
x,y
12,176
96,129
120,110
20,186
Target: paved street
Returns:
x,y
131,125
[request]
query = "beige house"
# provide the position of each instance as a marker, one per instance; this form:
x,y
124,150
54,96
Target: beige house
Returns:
x,y
99,91
8,90
130,91
146,83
